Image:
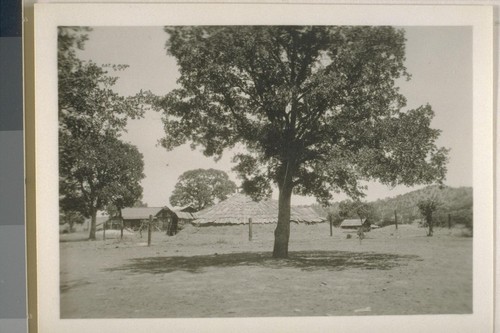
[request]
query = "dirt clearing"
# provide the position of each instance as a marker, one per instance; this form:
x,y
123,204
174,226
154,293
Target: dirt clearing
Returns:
x,y
217,272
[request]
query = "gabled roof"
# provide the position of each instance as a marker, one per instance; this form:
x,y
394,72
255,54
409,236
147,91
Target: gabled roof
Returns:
x,y
184,215
140,213
352,223
99,219
238,208
187,209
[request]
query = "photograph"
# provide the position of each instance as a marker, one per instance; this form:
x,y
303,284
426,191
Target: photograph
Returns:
x,y
313,169
181,149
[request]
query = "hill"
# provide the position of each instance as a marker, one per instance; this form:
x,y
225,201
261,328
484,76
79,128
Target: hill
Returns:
x,y
455,202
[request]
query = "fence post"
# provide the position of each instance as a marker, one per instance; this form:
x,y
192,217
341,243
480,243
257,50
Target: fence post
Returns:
x,y
449,221
250,229
149,229
104,231
396,218
121,228
331,227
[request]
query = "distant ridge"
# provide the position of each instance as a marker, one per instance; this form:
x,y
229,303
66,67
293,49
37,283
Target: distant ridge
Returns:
x,y
456,201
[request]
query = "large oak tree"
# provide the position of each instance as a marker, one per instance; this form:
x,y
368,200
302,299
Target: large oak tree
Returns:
x,y
317,108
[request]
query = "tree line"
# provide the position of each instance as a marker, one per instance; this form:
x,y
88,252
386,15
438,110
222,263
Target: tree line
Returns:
x,y
451,205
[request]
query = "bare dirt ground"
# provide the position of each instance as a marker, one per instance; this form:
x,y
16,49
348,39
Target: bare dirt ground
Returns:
x,y
218,272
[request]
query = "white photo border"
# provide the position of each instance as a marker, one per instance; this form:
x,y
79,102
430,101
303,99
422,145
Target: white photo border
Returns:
x,y
49,16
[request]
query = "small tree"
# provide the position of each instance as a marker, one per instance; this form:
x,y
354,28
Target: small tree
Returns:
x,y
334,217
427,207
71,217
359,209
200,188
97,173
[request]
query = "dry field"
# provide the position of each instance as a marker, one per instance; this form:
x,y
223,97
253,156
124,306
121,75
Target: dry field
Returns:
x,y
217,272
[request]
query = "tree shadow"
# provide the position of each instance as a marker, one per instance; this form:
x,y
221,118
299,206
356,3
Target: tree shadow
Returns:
x,y
64,287
304,260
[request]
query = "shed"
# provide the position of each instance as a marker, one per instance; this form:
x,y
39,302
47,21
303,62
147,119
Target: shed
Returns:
x,y
164,217
352,223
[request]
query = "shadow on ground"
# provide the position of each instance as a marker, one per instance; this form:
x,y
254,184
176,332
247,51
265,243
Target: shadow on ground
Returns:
x,y
64,287
306,260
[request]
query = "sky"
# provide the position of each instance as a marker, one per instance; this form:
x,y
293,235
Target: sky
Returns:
x,y
438,58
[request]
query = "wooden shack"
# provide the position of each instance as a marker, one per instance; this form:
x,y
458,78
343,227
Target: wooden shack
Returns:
x,y
164,218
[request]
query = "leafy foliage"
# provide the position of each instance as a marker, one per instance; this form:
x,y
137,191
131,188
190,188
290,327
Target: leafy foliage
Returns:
x,y
99,172
96,169
316,106
456,202
200,188
427,207
349,209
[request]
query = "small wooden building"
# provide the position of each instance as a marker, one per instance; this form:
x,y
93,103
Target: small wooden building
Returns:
x,y
164,218
352,224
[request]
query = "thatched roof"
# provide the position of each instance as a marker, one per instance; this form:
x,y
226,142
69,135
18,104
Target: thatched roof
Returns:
x,y
306,214
238,208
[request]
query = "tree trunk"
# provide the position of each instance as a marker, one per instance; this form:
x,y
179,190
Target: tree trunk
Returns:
x,y
104,231
250,235
121,222
282,232
149,229
93,219
430,222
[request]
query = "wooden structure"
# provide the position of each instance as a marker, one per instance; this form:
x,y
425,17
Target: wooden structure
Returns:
x,y
355,224
185,215
352,224
164,218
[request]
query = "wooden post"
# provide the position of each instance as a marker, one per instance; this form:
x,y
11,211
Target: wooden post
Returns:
x,y
149,229
121,223
331,227
121,229
449,221
396,218
250,229
104,231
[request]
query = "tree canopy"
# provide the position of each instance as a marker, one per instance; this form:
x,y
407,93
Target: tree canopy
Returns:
x,y
96,169
317,108
201,188
99,172
427,208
